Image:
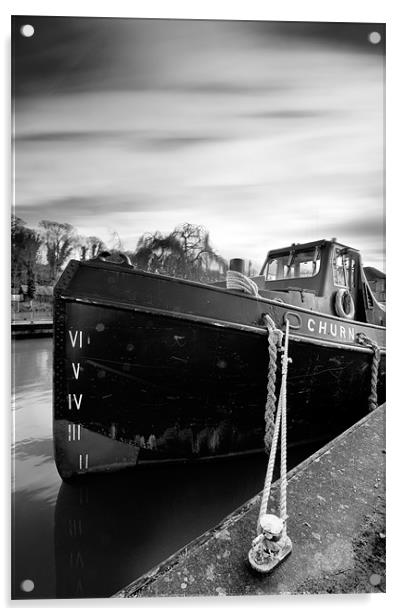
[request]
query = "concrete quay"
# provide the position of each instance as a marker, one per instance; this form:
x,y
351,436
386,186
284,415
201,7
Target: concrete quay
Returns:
x,y
336,508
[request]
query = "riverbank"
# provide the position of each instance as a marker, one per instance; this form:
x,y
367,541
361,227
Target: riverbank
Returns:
x,y
32,329
336,506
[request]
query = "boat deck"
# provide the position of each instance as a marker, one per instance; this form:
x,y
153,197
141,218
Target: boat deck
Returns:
x,y
336,506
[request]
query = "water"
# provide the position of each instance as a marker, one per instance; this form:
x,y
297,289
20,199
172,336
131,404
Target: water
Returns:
x,y
90,539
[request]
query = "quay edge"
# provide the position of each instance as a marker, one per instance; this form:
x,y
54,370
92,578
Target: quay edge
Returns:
x,y
336,507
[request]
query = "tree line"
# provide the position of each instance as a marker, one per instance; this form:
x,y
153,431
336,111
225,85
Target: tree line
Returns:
x,y
39,255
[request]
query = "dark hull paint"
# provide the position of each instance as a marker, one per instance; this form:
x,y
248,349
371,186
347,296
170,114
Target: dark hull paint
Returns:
x,y
154,387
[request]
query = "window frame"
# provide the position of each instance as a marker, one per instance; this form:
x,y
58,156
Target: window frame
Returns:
x,y
287,255
348,272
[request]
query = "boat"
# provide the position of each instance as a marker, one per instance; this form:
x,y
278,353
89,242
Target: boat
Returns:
x,y
151,369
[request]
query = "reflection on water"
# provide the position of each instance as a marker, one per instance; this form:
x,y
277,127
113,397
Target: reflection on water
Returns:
x,y
111,529
91,538
35,479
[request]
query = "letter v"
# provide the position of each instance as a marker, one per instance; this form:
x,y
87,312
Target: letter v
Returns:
x,y
73,338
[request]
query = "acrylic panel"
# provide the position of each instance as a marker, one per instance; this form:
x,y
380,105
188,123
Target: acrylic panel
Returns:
x,y
181,189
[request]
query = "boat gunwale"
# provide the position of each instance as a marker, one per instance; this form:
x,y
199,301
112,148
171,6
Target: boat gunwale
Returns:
x,y
217,322
117,267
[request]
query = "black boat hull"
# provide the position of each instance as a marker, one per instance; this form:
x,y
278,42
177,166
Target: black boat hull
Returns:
x,y
137,386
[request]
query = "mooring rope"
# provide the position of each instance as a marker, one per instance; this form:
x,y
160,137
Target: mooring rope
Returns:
x,y
270,469
275,336
280,417
361,338
241,282
285,362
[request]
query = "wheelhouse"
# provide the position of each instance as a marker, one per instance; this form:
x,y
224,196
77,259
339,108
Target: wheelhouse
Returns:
x,y
325,275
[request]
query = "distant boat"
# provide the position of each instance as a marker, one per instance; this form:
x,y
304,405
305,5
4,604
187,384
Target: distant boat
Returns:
x,y
153,369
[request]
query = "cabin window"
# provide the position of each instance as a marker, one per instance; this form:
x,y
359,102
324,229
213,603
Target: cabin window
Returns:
x,y
344,267
303,264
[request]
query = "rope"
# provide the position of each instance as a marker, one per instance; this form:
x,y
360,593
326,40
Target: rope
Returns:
x,y
280,416
238,281
274,342
270,469
364,340
241,282
285,362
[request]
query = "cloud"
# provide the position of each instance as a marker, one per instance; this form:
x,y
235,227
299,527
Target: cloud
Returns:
x,y
264,134
373,227
139,139
82,207
290,114
62,136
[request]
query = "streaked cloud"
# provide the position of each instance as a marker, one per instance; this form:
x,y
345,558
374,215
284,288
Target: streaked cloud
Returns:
x,y
265,134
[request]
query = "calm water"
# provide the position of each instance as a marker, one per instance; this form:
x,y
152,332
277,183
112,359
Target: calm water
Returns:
x,y
93,538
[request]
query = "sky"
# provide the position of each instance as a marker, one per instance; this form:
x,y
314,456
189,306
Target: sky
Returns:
x,y
265,133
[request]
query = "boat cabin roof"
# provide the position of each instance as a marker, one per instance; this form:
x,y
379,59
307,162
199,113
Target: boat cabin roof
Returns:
x,y
307,246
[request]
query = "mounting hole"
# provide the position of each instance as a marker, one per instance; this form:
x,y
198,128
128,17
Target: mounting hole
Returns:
x,y
375,579
27,30
374,38
27,585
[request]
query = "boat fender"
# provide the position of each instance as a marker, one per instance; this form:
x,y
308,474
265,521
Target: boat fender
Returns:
x,y
344,304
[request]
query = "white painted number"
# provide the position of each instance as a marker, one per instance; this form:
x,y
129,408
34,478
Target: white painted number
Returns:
x,y
72,399
83,461
73,338
74,432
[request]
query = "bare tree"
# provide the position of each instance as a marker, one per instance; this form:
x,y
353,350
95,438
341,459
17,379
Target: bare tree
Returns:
x,y
60,239
197,248
90,246
96,245
185,253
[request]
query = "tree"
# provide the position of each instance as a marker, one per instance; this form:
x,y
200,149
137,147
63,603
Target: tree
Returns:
x,y
60,240
31,287
25,244
185,253
157,253
90,246
199,253
96,244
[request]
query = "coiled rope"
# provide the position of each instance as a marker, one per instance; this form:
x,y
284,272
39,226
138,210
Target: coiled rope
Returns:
x,y
364,340
241,282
